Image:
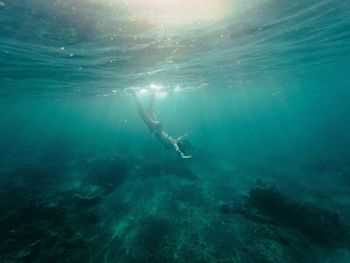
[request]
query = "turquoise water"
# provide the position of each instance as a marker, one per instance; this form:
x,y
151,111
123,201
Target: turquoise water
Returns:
x,y
263,88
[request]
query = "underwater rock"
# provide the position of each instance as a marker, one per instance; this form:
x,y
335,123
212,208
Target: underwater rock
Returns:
x,y
149,168
266,205
36,177
90,192
179,170
323,165
153,232
150,245
109,173
29,230
226,209
189,194
89,195
90,218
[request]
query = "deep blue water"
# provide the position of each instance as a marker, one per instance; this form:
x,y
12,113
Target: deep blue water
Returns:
x,y
263,88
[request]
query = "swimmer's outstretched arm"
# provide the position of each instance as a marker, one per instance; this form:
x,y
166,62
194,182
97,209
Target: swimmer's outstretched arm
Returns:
x,y
183,136
180,153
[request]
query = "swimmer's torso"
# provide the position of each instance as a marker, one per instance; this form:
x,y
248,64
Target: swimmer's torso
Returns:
x,y
167,140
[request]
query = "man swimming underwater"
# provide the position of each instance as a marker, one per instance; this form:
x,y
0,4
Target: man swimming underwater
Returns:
x,y
178,144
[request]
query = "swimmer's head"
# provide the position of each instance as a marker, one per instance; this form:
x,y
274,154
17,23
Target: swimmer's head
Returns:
x,y
185,146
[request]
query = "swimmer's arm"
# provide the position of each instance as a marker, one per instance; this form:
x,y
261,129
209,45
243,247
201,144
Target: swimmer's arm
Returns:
x,y
183,136
180,153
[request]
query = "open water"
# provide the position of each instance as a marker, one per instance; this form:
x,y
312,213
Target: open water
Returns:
x,y
261,86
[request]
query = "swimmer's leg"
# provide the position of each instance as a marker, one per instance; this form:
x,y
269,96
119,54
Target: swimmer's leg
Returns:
x,y
150,110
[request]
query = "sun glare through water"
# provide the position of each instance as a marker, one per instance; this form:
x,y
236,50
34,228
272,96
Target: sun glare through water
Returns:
x,y
177,12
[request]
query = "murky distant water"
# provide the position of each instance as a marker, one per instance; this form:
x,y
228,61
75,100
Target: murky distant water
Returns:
x,y
263,88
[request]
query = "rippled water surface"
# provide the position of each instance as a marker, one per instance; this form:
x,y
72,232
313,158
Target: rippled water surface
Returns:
x,y
96,46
